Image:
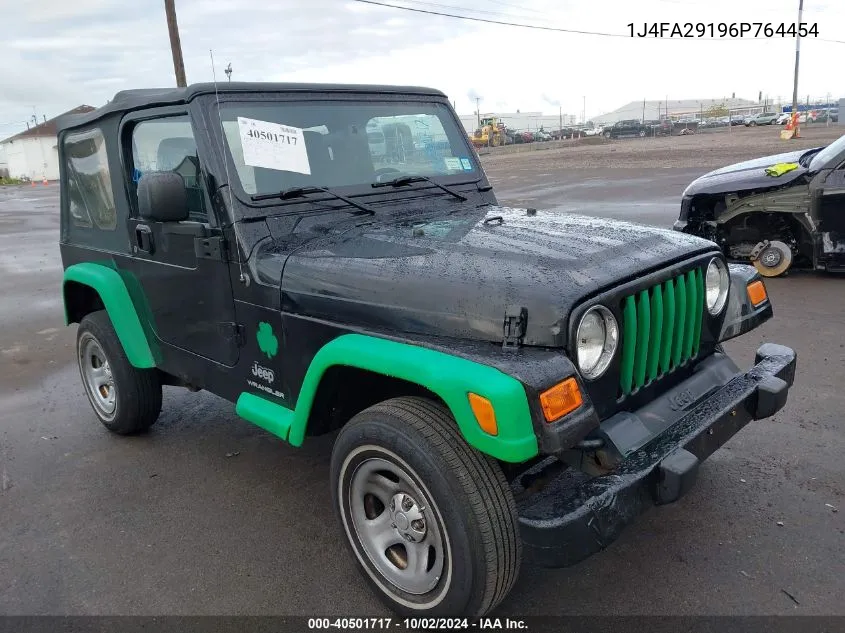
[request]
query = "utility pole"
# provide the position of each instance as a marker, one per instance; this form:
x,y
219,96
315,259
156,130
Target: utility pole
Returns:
x,y
560,119
228,72
797,53
643,119
584,112
175,43
40,146
827,108
478,110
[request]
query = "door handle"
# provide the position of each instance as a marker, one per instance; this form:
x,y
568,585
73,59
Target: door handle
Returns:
x,y
144,238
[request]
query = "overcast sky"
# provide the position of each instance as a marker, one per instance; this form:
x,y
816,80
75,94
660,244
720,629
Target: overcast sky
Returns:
x,y
57,54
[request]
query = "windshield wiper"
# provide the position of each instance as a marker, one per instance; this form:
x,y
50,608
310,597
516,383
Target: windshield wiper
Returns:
x,y
300,192
403,181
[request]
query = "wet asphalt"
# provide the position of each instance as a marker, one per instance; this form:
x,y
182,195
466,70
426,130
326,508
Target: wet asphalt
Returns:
x,y
208,514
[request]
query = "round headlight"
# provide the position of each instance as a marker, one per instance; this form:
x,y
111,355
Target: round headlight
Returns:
x,y
716,284
596,340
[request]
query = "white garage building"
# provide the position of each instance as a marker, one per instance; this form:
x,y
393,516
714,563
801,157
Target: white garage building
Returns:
x,y
33,153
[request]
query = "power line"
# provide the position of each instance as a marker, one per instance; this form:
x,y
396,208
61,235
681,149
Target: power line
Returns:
x,y
551,28
467,17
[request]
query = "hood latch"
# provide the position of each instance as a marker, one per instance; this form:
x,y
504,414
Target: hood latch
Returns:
x,y
516,322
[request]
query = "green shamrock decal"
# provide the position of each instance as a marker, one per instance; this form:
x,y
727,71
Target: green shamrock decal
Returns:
x,y
267,341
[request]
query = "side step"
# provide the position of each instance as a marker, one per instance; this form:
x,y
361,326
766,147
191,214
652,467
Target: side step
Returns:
x,y
270,416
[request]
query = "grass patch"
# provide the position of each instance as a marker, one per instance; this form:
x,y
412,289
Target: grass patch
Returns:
x,y
10,181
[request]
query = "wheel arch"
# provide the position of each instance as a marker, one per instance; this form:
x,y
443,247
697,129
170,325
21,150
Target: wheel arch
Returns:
x,y
88,287
796,221
426,372
346,390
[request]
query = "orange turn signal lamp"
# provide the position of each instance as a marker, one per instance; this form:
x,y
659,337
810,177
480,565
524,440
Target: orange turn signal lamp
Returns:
x,y
757,292
482,409
556,402
561,399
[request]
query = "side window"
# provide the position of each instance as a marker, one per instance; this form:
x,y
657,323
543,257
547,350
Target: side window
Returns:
x,y
90,198
168,144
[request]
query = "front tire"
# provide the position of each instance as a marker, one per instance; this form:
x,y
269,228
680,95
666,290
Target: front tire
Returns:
x,y
125,399
431,522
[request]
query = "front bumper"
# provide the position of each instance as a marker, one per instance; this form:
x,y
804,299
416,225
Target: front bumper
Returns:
x,y
575,515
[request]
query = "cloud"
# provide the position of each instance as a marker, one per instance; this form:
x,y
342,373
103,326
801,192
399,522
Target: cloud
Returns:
x,y
553,102
58,54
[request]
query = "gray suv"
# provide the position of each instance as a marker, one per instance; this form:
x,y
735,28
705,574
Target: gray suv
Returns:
x,y
764,118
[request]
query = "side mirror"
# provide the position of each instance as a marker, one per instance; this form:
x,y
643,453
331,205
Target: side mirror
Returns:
x,y
162,197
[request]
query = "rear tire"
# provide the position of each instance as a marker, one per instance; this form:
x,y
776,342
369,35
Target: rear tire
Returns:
x,y
409,490
125,399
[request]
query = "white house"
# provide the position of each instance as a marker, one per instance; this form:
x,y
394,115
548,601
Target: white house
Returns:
x,y
4,166
33,153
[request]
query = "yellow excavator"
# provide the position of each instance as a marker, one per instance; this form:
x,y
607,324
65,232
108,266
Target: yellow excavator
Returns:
x,y
490,134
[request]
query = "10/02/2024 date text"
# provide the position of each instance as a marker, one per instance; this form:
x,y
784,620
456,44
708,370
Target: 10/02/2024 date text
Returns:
x,y
722,29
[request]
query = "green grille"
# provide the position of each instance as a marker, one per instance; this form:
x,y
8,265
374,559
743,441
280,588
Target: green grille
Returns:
x,y
661,329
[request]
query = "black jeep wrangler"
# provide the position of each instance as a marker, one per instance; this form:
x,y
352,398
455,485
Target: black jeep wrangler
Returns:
x,y
502,381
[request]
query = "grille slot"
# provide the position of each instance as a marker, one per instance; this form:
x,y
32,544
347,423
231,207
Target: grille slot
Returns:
x,y
661,329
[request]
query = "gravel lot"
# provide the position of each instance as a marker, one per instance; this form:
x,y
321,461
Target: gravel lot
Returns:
x,y
693,151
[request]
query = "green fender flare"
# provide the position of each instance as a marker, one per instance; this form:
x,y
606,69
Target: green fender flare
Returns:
x,y
450,377
110,285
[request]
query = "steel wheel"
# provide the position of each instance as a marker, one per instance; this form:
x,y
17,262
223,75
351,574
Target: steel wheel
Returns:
x,y
391,517
97,376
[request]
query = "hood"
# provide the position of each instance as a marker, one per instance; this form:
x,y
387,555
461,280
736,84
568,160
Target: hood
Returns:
x,y
455,275
749,174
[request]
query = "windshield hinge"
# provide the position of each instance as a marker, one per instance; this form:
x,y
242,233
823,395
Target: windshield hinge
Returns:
x,y
516,322
210,248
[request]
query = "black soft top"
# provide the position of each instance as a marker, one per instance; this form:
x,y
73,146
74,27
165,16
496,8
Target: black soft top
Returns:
x,y
128,100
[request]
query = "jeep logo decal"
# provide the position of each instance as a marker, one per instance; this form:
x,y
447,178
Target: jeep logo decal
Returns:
x,y
262,372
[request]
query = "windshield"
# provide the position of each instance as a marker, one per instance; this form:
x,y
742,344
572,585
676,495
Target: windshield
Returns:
x,y
278,145
828,154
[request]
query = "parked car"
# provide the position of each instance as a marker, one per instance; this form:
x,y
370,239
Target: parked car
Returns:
x,y
783,118
658,127
628,127
764,118
542,135
564,133
449,373
774,221
513,137
823,116
738,120
527,137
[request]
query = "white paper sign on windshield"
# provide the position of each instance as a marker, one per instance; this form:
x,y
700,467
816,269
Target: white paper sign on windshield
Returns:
x,y
273,146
